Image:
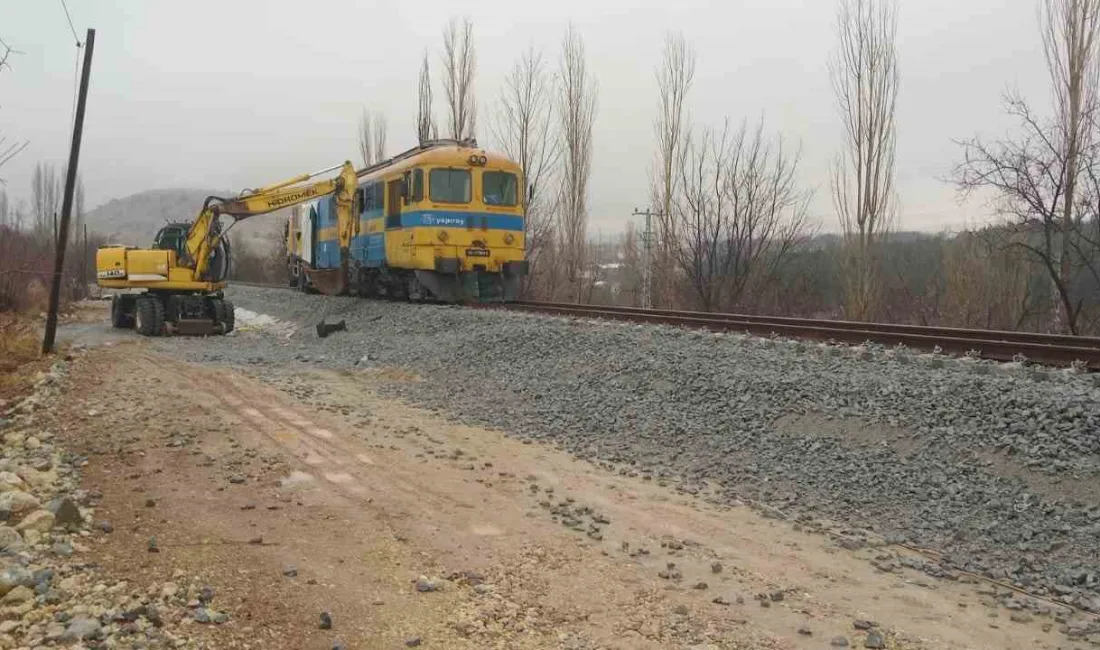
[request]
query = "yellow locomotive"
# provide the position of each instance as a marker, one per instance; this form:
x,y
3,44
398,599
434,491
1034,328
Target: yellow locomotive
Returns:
x,y
442,221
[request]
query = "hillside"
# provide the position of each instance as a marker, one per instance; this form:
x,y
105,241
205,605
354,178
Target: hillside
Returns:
x,y
134,220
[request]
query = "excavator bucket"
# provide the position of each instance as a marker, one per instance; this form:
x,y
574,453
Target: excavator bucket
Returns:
x,y
331,282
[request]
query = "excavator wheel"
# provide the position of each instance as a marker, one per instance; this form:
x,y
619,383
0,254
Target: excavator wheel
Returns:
x,y
230,319
223,314
122,316
149,316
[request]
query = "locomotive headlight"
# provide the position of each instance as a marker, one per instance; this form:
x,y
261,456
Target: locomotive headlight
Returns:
x,y
442,235
509,239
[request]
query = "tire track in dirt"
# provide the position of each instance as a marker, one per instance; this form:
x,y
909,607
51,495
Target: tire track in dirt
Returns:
x,y
378,514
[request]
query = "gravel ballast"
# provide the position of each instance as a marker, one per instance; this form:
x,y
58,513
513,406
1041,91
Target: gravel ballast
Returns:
x,y
996,465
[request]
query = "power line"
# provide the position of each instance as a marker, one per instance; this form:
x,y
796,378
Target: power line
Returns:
x,y
71,28
76,64
76,84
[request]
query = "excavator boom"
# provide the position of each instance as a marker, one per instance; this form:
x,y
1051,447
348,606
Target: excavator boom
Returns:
x,y
182,275
205,234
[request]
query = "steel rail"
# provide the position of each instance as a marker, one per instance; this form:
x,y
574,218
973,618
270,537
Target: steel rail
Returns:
x,y
1052,349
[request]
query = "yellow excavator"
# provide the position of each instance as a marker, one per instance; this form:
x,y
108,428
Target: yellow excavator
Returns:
x,y
176,287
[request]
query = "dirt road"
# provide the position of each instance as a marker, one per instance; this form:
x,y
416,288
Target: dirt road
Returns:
x,y
298,492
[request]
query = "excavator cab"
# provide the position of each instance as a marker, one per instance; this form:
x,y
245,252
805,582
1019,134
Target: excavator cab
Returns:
x,y
172,237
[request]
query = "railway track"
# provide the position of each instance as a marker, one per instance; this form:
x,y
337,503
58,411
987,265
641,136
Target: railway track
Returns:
x,y
1046,349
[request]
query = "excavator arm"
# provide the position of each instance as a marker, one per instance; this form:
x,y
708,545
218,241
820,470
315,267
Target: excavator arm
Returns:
x,y
204,237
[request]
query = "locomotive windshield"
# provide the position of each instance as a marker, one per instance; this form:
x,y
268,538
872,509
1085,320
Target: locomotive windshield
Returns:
x,y
449,185
499,188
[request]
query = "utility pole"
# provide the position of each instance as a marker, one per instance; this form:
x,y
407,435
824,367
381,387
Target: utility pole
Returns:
x,y
67,204
647,254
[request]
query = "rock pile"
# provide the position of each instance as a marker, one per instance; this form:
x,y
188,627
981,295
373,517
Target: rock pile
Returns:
x,y
49,594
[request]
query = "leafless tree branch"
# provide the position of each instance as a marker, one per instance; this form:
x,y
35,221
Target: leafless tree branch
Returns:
x,y
864,73
674,79
524,130
1044,178
372,137
8,150
576,111
380,124
46,191
739,212
425,119
459,68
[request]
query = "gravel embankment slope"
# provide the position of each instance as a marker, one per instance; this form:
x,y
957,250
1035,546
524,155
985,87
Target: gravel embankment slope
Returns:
x,y
998,466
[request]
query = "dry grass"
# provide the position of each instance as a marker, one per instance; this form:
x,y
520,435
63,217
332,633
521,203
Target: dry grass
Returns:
x,y
19,355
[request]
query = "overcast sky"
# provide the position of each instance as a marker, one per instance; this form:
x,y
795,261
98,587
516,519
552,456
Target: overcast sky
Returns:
x,y
232,94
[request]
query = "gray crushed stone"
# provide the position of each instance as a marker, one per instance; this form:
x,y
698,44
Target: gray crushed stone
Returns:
x,y
997,465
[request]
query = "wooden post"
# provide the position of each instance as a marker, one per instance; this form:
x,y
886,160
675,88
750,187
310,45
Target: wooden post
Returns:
x,y
67,205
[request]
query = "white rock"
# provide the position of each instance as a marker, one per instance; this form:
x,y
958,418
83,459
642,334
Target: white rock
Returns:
x,y
18,503
17,596
38,479
10,481
54,631
32,537
39,520
10,540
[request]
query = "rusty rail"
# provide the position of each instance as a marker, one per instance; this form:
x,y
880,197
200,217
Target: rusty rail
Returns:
x,y
1048,349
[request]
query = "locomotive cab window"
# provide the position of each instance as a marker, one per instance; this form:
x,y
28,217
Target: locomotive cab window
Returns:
x,y
373,195
449,185
417,185
498,188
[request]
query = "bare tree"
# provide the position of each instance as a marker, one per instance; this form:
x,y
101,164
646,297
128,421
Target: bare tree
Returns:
x,y
46,193
986,284
864,74
1045,178
524,130
459,66
739,213
365,135
5,53
77,230
8,150
425,119
372,137
576,111
674,79
1070,29
380,124
5,209
630,271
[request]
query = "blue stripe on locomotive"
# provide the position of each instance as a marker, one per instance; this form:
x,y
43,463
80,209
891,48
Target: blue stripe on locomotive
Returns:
x,y
453,219
369,249
326,251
